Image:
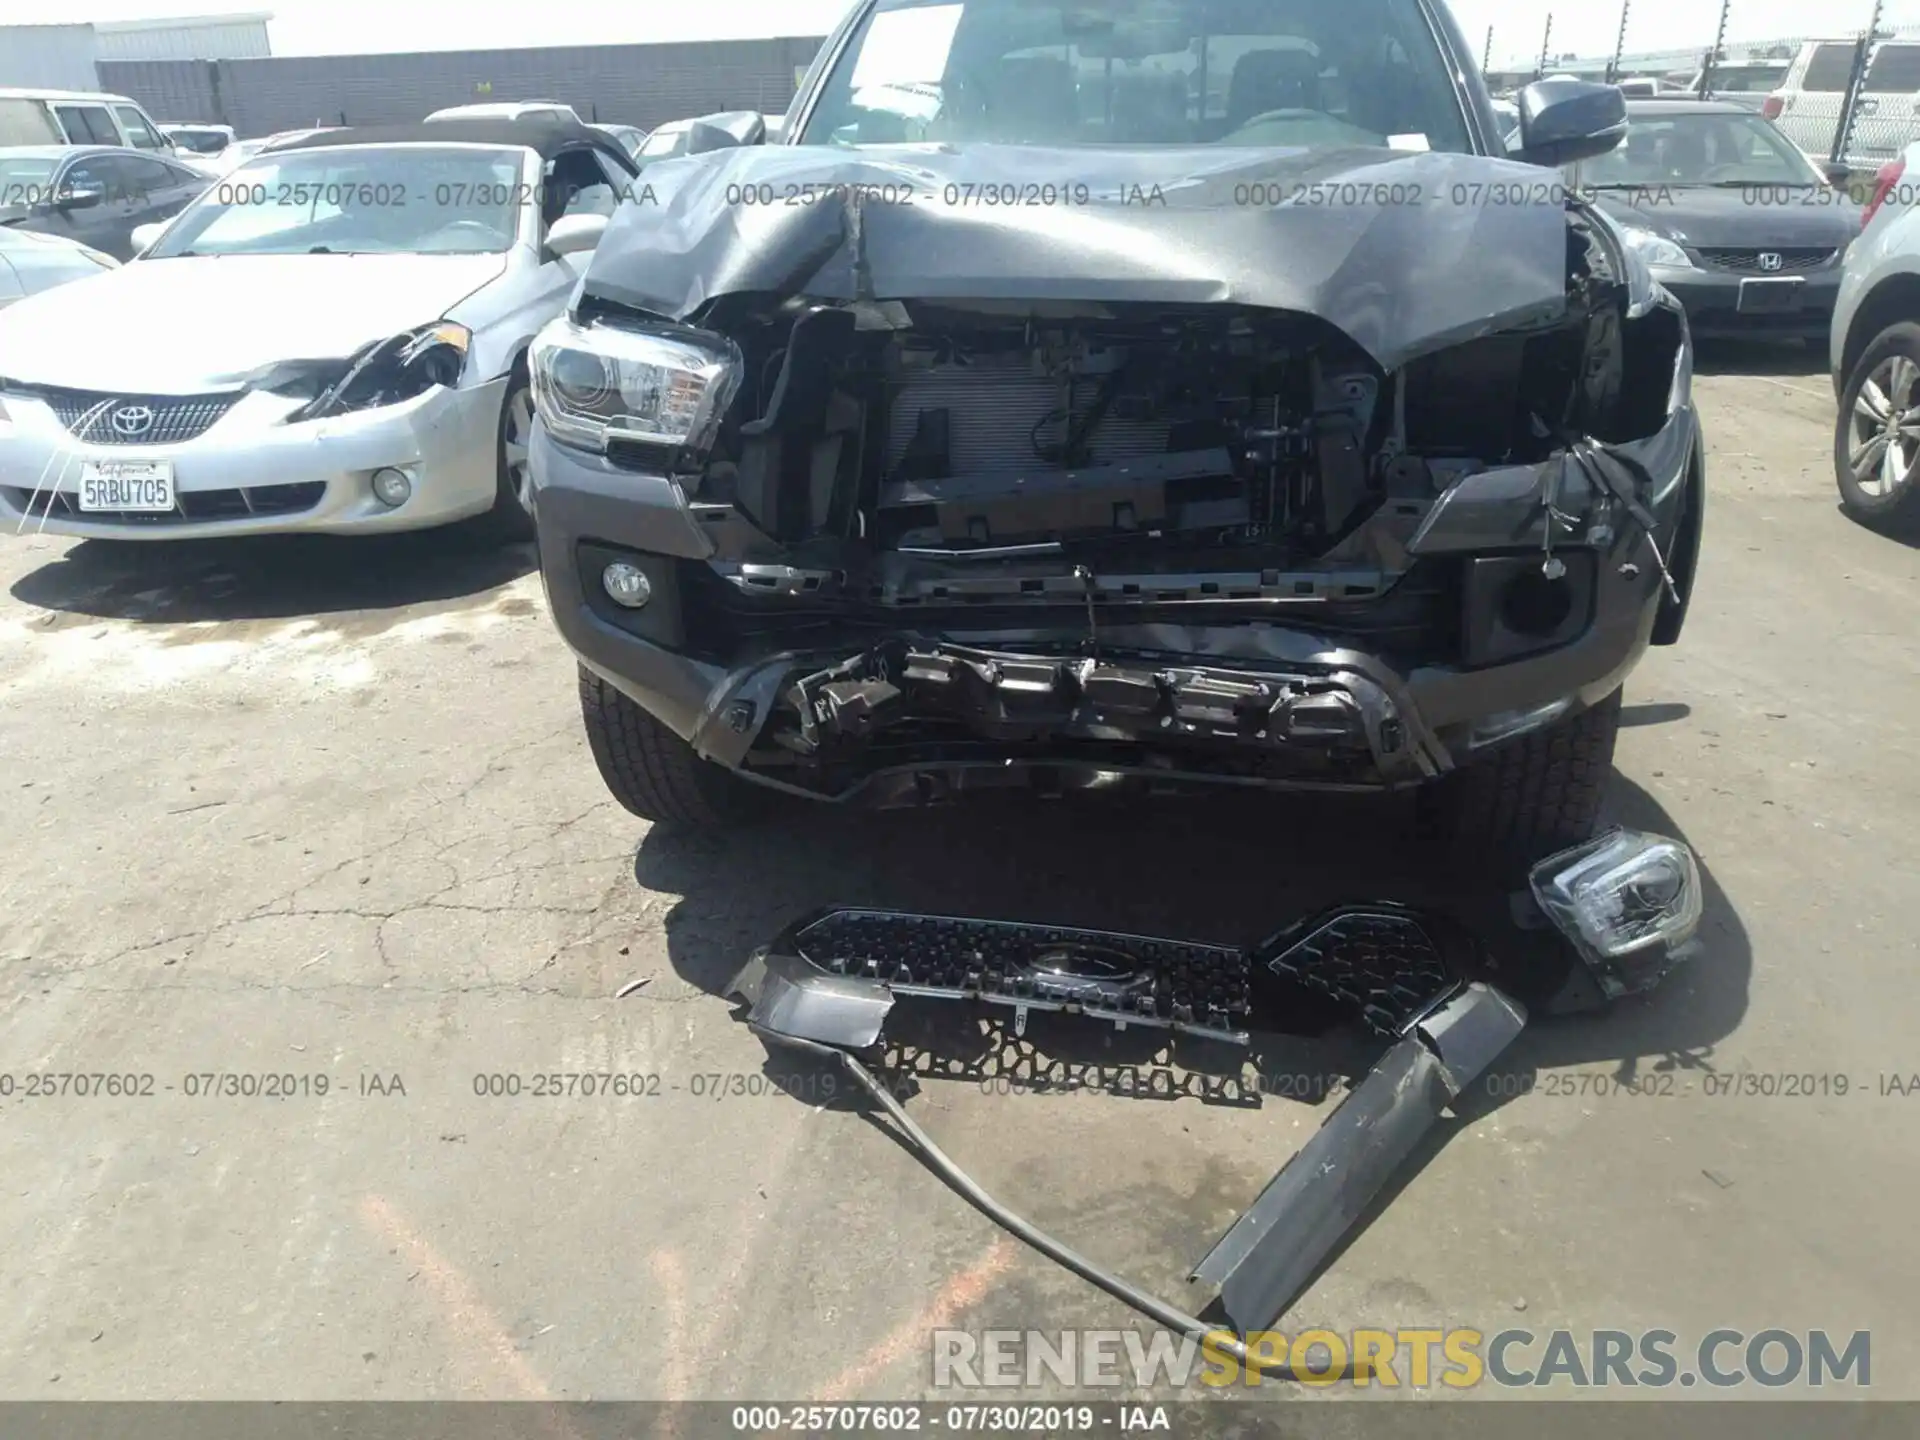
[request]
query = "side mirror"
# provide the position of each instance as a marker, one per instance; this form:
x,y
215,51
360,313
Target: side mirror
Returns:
x,y
1562,121
572,234
1838,172
79,197
144,235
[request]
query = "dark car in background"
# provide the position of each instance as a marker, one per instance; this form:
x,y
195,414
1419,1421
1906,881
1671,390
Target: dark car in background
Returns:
x,y
1728,214
94,195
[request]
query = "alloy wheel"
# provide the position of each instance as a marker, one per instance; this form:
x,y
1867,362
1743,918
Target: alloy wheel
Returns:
x,y
1886,428
515,437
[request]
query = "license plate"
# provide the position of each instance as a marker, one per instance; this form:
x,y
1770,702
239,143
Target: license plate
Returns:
x,y
144,487
1766,297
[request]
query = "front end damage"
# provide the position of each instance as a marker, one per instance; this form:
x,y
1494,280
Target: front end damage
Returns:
x,y
1622,910
1125,491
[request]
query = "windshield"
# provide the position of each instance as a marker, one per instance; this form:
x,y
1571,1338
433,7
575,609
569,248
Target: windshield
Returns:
x,y
23,179
1729,150
396,200
201,142
1280,73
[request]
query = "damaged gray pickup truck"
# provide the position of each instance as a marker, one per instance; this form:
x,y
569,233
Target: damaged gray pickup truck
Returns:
x,y
1178,391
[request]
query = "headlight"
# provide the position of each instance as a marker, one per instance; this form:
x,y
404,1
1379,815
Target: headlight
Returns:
x,y
1630,903
596,383
385,373
1657,249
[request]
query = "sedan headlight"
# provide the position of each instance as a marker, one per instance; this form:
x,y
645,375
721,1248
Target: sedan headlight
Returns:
x,y
598,383
1657,249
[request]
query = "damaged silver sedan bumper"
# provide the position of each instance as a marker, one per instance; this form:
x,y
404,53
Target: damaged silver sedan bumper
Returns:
x,y
250,473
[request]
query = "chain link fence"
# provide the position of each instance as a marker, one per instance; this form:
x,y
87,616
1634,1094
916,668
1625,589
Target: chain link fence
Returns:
x,y
1847,94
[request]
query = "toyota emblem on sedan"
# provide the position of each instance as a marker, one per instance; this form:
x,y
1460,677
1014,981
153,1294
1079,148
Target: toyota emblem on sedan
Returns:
x,y
131,420
1771,260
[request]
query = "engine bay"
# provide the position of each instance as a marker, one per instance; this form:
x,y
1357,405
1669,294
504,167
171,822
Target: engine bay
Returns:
x,y
877,446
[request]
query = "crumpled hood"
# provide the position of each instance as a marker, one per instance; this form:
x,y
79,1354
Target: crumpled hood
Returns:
x,y
187,326
1405,253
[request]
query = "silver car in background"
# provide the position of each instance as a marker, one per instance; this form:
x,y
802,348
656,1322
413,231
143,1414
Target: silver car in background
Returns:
x,y
331,339
1874,349
30,263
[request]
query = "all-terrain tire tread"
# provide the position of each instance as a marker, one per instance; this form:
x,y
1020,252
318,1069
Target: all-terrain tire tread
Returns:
x,y
651,771
1540,793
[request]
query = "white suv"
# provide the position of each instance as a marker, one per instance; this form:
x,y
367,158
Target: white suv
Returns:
x,y
1807,106
509,110
77,117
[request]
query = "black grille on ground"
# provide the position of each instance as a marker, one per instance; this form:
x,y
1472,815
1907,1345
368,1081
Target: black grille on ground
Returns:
x,y
1382,961
192,507
1134,978
1792,258
103,418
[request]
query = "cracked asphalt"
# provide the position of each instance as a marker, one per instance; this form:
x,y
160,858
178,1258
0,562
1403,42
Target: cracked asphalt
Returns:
x,y
325,813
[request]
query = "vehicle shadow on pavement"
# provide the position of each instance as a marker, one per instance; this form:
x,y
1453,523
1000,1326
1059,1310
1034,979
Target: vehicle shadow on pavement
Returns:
x,y
1758,357
273,577
1229,869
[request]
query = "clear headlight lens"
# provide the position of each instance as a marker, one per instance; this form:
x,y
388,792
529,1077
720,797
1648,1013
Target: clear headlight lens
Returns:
x,y
1621,895
596,383
1658,250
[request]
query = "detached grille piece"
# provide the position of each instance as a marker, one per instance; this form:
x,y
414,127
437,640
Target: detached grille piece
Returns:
x,y
1792,259
102,418
1383,960
1201,989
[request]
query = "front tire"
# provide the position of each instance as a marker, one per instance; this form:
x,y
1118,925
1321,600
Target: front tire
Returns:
x,y
1534,796
1876,442
652,772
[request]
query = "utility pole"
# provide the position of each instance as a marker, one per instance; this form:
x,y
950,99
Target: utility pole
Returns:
x,y
1486,56
1546,44
1705,88
1619,44
1850,105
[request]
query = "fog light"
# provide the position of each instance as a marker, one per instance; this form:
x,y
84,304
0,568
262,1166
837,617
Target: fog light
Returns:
x,y
1629,901
1536,606
392,488
626,585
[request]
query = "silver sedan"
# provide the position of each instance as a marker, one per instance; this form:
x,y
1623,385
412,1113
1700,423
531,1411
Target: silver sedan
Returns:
x,y
331,339
30,263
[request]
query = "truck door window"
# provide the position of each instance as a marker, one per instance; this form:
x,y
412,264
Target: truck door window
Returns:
x,y
87,124
140,135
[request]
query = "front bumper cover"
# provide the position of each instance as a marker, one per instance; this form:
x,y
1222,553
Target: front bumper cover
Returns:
x,y
1407,718
1712,300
